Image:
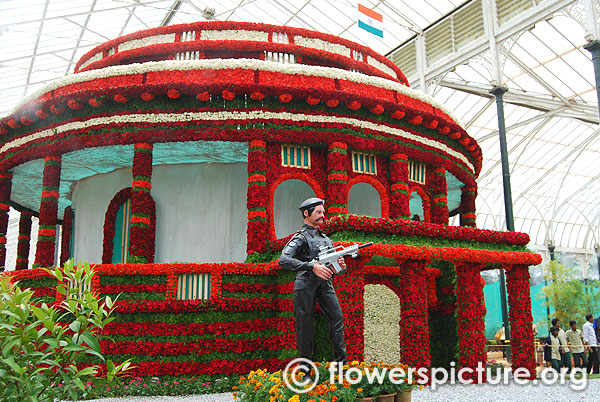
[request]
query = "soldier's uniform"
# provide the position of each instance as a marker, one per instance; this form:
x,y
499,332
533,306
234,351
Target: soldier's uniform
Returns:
x,y
302,248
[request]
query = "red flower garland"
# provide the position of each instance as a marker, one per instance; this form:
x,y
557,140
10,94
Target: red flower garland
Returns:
x,y
438,190
257,199
5,190
521,320
410,228
65,245
337,178
399,203
143,210
467,206
24,240
414,333
470,318
44,255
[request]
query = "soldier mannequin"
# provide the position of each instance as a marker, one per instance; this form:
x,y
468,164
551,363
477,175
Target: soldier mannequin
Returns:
x,y
314,282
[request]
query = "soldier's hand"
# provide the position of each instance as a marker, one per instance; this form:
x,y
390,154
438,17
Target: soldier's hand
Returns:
x,y
322,271
342,262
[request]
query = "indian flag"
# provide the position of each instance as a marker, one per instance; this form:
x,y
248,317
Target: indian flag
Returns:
x,y
370,20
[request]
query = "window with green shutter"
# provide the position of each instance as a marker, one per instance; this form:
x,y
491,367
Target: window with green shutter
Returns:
x,y
364,163
295,156
193,286
416,172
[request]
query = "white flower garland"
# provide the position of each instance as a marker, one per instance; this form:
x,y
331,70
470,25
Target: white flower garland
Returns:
x,y
322,45
153,118
234,34
93,59
148,41
231,64
380,66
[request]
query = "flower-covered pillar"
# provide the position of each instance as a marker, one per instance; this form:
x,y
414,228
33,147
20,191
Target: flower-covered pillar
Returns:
x,y
257,199
44,253
438,191
337,179
350,289
467,206
399,203
470,315
67,231
24,240
5,189
521,320
142,234
414,324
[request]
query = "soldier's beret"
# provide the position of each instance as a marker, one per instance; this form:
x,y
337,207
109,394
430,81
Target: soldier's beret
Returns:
x,y
311,202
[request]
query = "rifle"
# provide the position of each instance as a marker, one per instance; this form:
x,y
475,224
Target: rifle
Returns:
x,y
329,256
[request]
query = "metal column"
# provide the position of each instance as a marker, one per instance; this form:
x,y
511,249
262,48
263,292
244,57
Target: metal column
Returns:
x,y
594,48
498,92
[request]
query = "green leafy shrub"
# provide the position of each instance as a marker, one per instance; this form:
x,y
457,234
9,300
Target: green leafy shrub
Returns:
x,y
41,345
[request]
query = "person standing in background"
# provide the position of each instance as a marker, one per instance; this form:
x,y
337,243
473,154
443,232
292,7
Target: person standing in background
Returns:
x,y
575,340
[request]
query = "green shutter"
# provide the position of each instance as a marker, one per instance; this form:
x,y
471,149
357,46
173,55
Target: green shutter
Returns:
x,y
306,157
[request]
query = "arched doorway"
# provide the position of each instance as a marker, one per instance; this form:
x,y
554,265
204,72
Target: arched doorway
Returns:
x,y
364,199
288,196
382,329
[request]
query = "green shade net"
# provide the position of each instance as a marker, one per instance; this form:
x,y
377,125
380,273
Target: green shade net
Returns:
x,y
78,165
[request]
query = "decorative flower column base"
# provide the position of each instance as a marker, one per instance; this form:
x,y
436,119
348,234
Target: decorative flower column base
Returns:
x,y
257,199
467,206
399,203
438,188
44,254
470,313
350,291
24,240
337,179
414,324
143,212
520,318
5,189
65,245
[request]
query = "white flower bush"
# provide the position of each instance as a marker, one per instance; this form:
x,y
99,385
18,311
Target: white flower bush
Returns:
x,y
382,317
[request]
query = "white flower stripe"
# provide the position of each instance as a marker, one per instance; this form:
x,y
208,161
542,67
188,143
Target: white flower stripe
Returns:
x,y
230,64
380,66
234,34
232,115
323,45
94,58
143,42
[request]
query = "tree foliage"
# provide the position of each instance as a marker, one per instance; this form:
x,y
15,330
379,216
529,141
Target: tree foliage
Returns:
x,y
570,297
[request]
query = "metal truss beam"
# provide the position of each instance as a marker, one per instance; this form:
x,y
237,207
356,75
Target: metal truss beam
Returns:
x,y
480,45
573,109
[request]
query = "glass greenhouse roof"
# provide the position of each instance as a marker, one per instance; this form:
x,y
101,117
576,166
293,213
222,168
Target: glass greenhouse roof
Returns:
x,y
456,50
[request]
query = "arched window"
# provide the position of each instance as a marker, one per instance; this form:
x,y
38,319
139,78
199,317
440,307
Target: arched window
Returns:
x,y
419,204
288,196
416,207
121,237
117,224
363,199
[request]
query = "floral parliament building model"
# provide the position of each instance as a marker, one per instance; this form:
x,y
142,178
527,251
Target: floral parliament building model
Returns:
x,y
174,160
